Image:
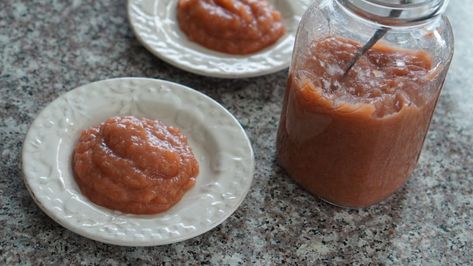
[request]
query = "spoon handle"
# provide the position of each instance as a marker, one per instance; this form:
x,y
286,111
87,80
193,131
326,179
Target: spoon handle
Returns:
x,y
373,40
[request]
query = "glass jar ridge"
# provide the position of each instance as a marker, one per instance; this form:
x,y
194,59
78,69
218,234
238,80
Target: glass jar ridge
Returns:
x,y
410,12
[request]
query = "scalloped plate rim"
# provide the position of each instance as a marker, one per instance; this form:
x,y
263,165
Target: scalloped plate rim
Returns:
x,y
206,71
131,243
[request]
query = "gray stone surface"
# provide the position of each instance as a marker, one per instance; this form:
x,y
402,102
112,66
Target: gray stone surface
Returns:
x,y
50,47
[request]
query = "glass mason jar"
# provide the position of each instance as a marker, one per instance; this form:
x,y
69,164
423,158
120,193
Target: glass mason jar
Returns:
x,y
354,138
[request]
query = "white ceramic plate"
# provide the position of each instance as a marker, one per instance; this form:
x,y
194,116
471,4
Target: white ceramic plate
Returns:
x,y
220,144
155,25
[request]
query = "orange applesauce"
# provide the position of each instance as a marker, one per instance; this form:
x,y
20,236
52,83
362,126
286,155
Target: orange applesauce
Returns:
x,y
138,166
230,26
354,140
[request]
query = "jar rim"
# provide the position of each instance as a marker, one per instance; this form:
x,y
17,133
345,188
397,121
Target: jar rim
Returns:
x,y
410,4
407,12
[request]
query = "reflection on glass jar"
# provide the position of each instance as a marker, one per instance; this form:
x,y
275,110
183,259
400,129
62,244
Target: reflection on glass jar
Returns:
x,y
354,138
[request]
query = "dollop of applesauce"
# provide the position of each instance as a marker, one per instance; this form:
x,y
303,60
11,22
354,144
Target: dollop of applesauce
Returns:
x,y
133,165
230,26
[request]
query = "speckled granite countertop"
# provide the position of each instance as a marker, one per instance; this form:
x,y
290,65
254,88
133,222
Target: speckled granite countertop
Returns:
x,y
50,47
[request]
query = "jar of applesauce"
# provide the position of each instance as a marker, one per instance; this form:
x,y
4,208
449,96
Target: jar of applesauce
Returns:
x,y
354,138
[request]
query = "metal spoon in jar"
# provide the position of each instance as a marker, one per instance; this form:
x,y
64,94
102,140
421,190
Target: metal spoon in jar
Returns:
x,y
374,39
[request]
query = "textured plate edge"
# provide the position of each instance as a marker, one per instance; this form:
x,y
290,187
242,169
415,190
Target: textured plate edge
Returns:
x,y
143,243
202,72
